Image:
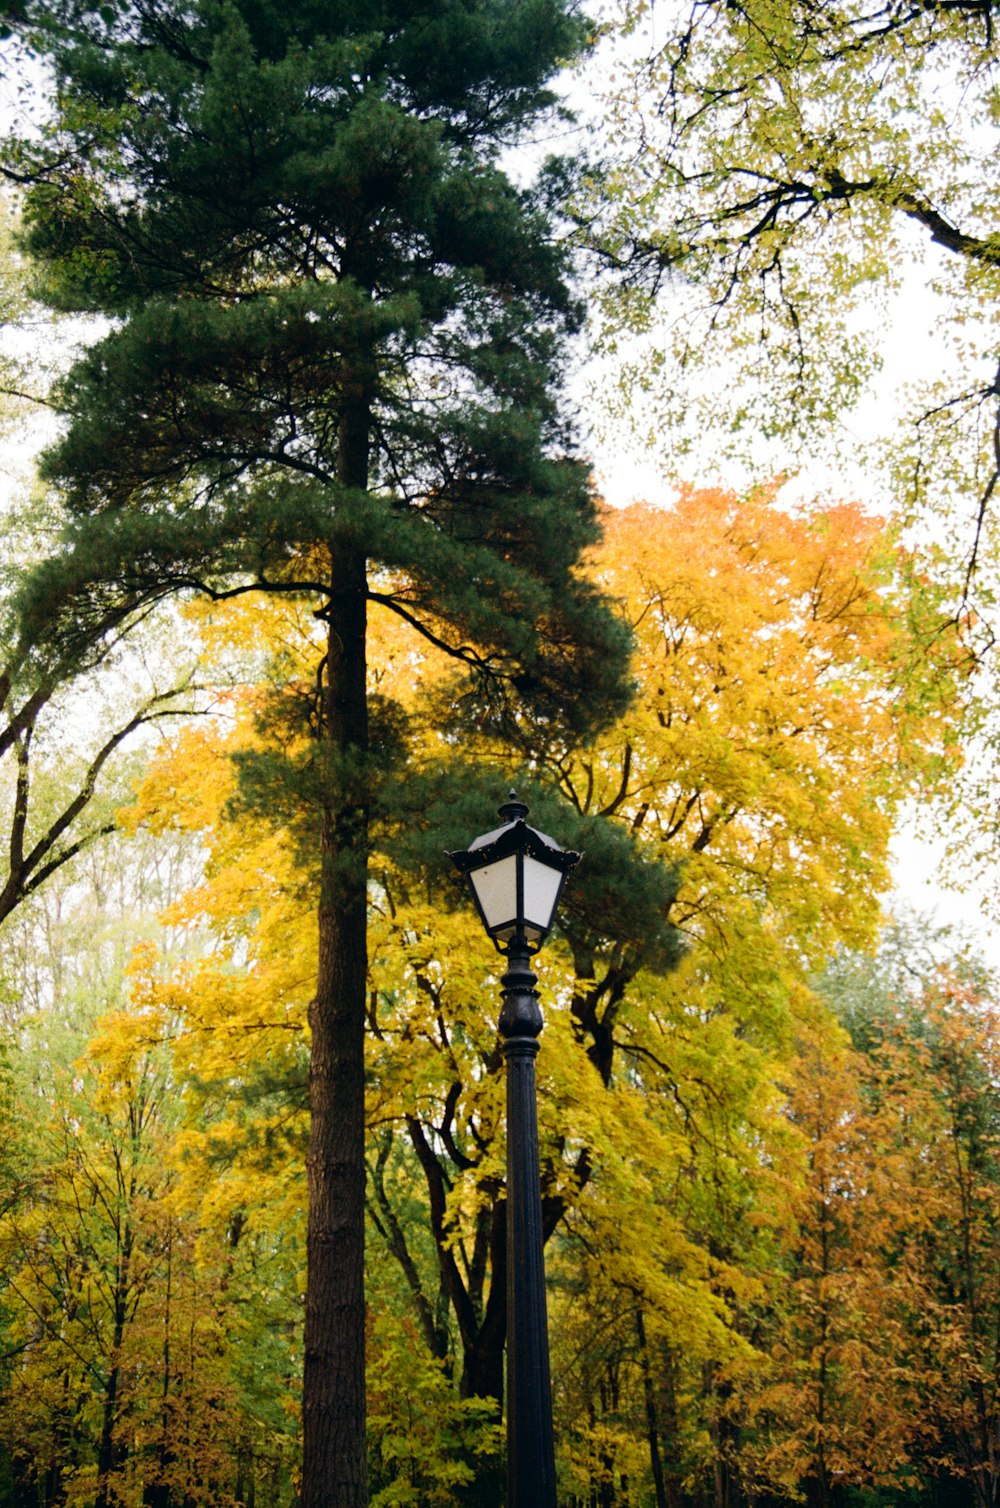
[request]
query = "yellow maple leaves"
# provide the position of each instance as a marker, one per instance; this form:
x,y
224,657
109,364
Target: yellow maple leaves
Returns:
x,y
775,729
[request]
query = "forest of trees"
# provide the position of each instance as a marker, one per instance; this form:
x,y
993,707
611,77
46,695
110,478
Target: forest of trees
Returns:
x,y
305,565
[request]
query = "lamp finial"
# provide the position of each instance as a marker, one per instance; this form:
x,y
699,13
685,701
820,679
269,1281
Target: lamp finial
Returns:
x,y
512,809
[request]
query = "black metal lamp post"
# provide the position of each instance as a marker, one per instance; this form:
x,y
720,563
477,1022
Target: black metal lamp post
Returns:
x,y
516,875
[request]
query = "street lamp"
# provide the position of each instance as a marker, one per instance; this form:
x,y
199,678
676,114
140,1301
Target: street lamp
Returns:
x,y
516,875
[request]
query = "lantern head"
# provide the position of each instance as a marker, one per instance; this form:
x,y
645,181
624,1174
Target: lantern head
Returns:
x,y
516,875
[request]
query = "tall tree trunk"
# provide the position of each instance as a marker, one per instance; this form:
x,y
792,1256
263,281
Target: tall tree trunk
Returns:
x,y
334,1468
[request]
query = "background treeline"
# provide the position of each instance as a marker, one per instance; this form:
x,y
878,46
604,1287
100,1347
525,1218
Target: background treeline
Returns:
x,y
771,1179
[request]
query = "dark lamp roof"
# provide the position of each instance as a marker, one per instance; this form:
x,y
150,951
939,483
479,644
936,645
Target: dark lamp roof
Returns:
x,y
515,837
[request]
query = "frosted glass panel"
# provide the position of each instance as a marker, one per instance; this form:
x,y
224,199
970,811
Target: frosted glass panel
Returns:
x,y
541,889
496,889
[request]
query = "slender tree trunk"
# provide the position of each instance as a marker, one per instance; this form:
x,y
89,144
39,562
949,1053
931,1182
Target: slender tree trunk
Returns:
x,y
818,1486
106,1455
24,1491
334,1468
652,1422
483,1368
156,1493
483,1352
109,1453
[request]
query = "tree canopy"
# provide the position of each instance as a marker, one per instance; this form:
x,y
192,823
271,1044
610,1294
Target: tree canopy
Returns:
x,y
785,167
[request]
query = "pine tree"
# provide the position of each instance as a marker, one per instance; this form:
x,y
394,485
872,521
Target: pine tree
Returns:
x,y
330,371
